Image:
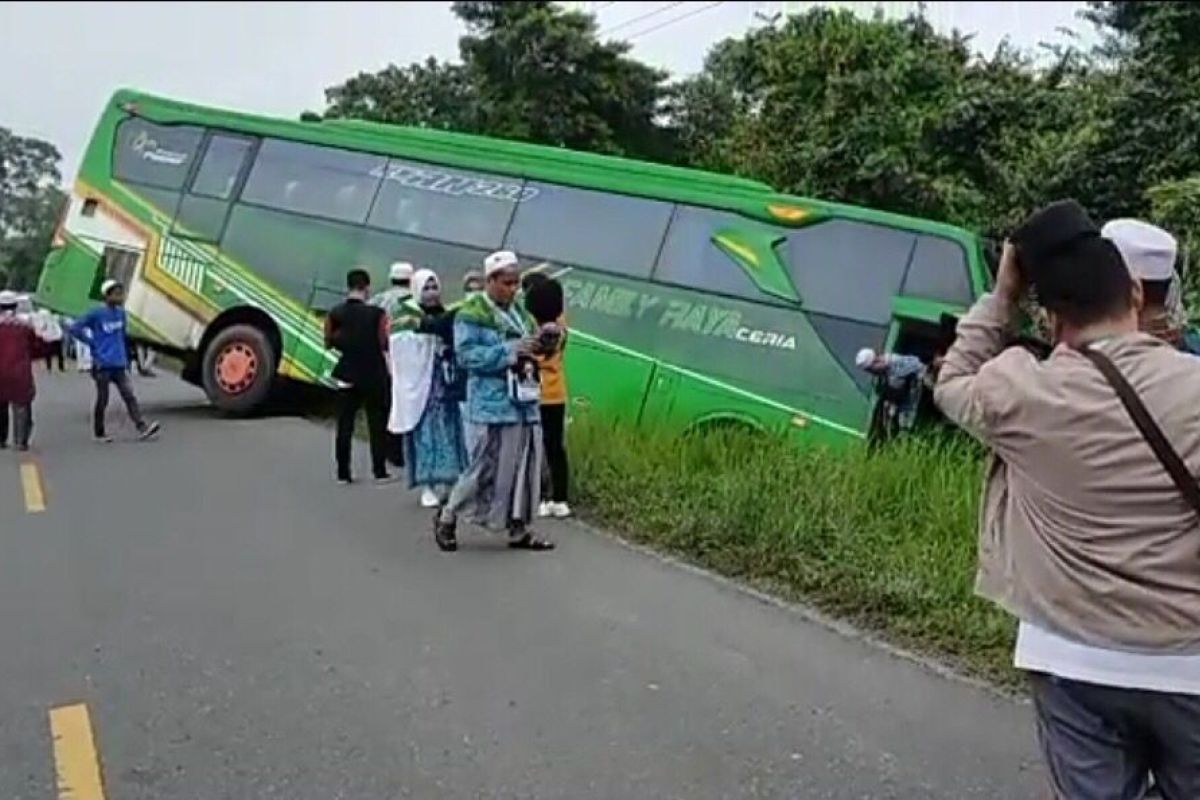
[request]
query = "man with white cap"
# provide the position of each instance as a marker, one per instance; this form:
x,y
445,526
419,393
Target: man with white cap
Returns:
x,y
495,342
104,329
396,301
899,380
1150,253
19,346
393,299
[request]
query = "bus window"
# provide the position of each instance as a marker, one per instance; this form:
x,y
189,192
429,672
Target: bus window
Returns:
x,y
220,166
938,272
321,181
849,269
202,211
690,257
155,155
447,204
579,227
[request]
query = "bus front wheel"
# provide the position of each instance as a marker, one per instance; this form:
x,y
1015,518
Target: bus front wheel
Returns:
x,y
238,369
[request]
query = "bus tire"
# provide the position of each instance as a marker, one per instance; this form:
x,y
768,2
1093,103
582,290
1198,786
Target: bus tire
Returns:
x,y
238,369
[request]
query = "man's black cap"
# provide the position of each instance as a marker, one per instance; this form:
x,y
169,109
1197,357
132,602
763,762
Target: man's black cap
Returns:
x,y
1049,230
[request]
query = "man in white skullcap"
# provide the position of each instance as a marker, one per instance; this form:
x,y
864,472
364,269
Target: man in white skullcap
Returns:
x,y
495,341
899,381
399,292
1151,253
397,302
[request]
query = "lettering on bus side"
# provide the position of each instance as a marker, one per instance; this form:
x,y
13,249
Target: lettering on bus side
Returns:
x,y
701,319
428,179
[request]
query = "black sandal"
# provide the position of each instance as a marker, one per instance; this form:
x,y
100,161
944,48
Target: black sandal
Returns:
x,y
443,534
531,542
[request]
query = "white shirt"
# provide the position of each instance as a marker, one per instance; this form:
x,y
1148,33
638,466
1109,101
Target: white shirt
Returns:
x,y
1039,650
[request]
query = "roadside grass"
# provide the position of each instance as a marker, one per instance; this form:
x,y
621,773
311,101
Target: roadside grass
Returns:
x,y
884,539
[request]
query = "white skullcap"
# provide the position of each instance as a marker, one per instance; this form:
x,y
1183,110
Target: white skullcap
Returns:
x,y
108,286
401,271
1149,251
8,299
865,358
501,259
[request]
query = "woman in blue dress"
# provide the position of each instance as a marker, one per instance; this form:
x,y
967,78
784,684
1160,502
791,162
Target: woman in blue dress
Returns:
x,y
435,448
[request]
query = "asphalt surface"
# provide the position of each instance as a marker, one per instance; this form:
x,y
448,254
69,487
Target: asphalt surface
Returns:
x,y
241,627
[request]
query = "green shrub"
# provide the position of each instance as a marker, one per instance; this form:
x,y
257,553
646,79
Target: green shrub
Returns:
x,y
885,539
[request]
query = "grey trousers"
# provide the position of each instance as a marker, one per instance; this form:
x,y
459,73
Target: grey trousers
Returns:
x,y
1105,743
503,481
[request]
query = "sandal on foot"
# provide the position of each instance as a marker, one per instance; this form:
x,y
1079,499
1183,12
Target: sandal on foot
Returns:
x,y
531,542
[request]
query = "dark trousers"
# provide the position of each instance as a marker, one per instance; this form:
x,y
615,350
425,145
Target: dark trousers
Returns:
x,y
22,423
1104,743
55,352
119,378
395,447
554,441
374,398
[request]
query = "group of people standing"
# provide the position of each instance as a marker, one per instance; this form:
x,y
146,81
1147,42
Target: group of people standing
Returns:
x,y
101,334
469,397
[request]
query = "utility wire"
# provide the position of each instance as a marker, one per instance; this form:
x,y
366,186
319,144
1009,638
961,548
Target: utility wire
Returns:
x,y
640,17
673,20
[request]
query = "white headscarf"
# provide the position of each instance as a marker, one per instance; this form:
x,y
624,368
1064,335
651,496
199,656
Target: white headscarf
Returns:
x,y
422,277
412,355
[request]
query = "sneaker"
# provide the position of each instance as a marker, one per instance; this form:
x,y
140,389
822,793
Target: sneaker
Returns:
x,y
384,480
546,509
344,480
149,431
560,510
429,499
23,448
102,438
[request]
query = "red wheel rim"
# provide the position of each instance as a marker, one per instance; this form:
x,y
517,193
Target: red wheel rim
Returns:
x,y
236,367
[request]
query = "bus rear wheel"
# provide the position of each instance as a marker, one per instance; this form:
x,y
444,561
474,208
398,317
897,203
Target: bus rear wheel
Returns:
x,y
238,370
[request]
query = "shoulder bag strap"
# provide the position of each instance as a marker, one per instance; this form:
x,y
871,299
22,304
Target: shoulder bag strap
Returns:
x,y
1172,463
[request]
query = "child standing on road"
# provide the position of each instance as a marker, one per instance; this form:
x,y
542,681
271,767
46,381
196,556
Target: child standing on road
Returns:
x,y
104,330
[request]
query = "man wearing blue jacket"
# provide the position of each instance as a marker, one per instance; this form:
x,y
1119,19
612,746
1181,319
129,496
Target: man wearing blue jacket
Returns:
x,y
103,329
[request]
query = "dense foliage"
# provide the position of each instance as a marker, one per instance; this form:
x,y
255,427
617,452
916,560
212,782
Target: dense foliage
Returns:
x,y
886,113
29,204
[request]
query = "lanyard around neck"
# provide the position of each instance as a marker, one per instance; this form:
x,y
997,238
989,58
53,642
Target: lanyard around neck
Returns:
x,y
511,317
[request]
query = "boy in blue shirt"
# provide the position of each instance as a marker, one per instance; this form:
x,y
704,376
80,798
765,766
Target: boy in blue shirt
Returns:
x,y
103,329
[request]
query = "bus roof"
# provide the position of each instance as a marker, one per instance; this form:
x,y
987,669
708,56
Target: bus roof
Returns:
x,y
519,159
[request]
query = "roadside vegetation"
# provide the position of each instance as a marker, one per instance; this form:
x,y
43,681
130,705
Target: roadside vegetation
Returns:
x,y
883,539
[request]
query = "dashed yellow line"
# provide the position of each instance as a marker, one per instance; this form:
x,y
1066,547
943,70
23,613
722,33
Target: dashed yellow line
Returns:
x,y
31,483
75,759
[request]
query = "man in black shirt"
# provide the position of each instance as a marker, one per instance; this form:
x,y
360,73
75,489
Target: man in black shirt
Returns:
x,y
359,331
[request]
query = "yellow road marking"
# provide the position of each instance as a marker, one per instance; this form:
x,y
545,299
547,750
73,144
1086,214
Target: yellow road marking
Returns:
x,y
75,759
31,482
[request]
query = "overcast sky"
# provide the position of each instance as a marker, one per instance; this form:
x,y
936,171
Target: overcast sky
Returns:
x,y
60,61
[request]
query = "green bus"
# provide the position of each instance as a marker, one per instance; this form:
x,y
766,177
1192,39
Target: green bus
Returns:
x,y
694,298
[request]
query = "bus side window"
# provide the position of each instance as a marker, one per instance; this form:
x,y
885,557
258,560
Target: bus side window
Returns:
x,y
938,271
580,227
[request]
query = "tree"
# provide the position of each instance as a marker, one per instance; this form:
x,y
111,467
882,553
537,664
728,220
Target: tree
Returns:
x,y
1151,131
531,71
29,206
429,94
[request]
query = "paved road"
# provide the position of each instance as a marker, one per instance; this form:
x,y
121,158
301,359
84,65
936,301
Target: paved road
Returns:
x,y
240,627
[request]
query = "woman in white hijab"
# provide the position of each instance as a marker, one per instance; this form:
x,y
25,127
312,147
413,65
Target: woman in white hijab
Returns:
x,y
426,389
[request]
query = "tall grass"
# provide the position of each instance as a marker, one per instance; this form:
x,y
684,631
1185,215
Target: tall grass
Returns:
x,y
885,539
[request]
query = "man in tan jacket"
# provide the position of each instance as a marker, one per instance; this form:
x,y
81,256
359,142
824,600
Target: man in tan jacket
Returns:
x,y
1084,537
